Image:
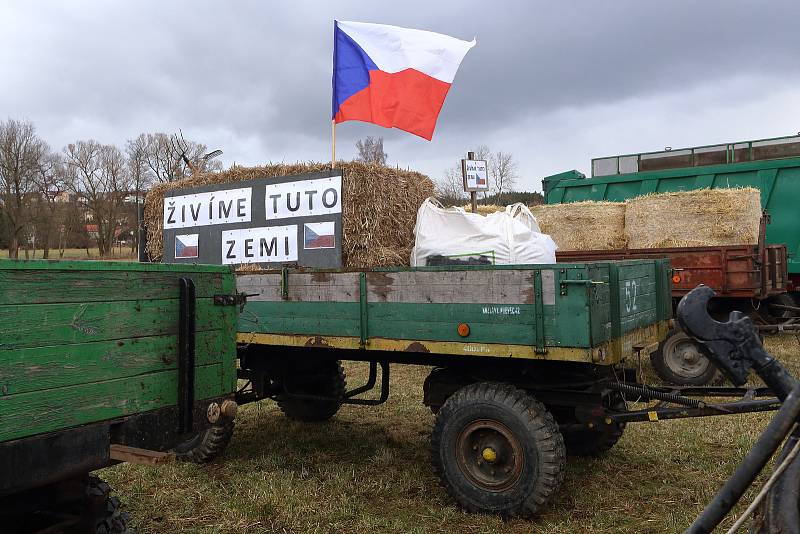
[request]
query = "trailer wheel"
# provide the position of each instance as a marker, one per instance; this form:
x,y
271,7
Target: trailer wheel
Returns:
x,y
206,445
497,450
107,516
678,360
325,379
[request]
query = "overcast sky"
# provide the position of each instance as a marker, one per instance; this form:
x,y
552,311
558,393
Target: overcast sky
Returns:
x,y
555,83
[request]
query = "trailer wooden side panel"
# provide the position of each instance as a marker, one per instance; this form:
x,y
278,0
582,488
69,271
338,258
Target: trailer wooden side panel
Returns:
x,y
576,312
84,342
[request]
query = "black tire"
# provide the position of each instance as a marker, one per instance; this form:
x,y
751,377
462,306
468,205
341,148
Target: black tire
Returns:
x,y
206,445
594,441
486,428
107,516
325,378
678,360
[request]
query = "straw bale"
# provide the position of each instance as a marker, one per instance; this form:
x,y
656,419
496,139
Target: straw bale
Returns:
x,y
380,208
697,218
585,225
484,209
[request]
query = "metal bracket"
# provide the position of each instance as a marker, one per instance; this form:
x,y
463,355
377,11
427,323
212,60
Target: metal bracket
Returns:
x,y
237,299
587,283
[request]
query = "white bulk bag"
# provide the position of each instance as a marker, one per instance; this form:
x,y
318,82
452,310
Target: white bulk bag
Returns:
x,y
509,237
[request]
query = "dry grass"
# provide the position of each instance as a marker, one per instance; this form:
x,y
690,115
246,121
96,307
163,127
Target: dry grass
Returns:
x,y
704,217
380,208
367,470
586,225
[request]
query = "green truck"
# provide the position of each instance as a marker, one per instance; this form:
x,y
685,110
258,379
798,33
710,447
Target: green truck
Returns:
x,y
770,165
102,362
759,278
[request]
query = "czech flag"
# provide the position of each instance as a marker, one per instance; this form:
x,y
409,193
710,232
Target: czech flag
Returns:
x,y
392,76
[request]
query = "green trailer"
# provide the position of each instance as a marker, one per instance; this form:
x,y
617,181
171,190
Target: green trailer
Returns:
x,y
529,363
527,360
102,362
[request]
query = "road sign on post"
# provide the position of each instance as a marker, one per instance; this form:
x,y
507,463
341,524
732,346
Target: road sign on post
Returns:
x,y
476,177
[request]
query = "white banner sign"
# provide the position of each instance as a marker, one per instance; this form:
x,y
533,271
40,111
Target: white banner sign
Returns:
x,y
260,245
305,198
476,175
202,209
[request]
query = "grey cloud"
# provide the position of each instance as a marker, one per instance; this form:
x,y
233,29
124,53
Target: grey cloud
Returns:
x,y
253,78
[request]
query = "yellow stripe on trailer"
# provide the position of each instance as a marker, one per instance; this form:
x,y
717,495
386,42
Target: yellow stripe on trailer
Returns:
x,y
607,353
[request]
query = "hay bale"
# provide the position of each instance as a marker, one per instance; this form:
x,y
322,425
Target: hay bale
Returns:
x,y
484,209
702,217
379,215
585,225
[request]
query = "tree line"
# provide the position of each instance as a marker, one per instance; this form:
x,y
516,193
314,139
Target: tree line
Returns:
x,y
87,193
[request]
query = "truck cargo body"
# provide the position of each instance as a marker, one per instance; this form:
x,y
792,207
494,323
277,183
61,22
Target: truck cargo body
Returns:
x,y
777,179
737,271
95,354
598,312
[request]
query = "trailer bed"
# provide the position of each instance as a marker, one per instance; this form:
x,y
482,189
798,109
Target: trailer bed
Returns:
x,y
599,312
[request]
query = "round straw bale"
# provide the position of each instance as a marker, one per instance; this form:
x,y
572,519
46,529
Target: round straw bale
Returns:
x,y
380,208
697,218
585,225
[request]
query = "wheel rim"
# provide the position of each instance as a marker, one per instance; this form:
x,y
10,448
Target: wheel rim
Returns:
x,y
489,455
685,359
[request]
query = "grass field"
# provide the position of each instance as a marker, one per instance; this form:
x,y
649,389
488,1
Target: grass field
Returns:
x,y
367,470
75,254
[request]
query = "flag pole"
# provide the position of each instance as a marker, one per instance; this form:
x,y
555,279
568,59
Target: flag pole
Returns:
x,y
333,143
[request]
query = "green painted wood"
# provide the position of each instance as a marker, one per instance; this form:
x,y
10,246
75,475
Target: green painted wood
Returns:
x,y
439,322
312,318
28,414
43,368
51,286
80,265
52,324
82,342
580,315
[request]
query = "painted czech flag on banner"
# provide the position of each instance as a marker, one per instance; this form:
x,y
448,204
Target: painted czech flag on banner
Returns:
x,y
392,76
186,246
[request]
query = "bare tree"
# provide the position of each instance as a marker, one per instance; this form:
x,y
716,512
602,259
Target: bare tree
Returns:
x,y
161,159
450,188
370,150
100,176
50,182
141,177
20,152
502,172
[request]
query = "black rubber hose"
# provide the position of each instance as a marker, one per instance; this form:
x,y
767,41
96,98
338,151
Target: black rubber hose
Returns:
x,y
752,464
782,509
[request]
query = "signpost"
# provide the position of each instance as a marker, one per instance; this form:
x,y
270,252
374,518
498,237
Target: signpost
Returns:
x,y
286,220
476,177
